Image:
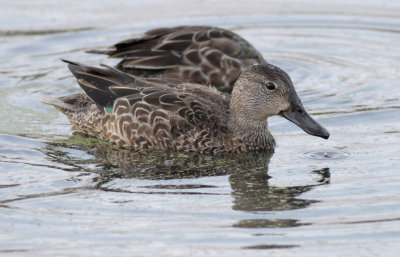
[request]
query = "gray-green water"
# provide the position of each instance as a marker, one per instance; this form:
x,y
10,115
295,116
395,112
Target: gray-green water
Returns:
x,y
67,195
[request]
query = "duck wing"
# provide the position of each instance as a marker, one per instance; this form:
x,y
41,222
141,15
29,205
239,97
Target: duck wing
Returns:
x,y
154,112
200,54
105,85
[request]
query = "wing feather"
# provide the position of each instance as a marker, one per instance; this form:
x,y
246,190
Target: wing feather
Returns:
x,y
154,113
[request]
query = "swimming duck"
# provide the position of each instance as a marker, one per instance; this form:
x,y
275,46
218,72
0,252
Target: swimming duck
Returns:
x,y
164,113
200,54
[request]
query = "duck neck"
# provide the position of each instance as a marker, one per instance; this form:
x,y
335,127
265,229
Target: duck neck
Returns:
x,y
249,124
252,132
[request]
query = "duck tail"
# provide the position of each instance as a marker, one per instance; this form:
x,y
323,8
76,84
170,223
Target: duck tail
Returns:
x,y
109,51
83,113
70,103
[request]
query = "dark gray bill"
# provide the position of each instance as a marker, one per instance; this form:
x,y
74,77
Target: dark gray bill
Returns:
x,y
300,117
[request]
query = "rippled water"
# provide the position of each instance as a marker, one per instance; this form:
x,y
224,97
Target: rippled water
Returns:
x,y
66,194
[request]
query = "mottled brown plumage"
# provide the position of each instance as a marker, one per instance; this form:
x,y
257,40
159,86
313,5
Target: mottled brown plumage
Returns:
x,y
201,54
161,113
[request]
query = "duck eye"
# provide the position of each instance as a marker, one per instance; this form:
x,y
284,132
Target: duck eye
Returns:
x,y
270,86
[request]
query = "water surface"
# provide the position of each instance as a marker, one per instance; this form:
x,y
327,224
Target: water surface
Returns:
x,y
62,193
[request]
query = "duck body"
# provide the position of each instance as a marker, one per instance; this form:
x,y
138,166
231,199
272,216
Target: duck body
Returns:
x,y
201,54
154,113
162,113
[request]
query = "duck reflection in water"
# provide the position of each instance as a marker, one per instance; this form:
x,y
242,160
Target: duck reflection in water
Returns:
x,y
248,173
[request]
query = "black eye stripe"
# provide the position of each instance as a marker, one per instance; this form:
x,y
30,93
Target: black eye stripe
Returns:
x,y
270,86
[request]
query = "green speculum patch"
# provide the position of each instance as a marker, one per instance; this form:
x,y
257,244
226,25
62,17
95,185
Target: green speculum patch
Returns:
x,y
108,109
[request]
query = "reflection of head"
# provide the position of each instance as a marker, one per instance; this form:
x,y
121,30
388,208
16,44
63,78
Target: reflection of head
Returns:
x,y
251,192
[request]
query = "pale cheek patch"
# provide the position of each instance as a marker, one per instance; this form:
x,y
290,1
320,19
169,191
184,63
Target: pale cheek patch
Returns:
x,y
284,106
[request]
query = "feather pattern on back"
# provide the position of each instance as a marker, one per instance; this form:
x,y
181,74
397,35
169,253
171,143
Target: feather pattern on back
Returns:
x,y
148,113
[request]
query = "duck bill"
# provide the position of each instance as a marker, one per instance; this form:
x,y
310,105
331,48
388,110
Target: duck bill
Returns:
x,y
301,118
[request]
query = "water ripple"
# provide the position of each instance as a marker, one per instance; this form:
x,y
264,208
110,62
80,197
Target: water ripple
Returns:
x,y
67,194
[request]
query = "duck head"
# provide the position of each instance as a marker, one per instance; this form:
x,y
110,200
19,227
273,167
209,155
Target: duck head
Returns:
x,y
265,90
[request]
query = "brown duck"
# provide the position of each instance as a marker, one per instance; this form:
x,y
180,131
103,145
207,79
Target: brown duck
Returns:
x,y
201,54
162,113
